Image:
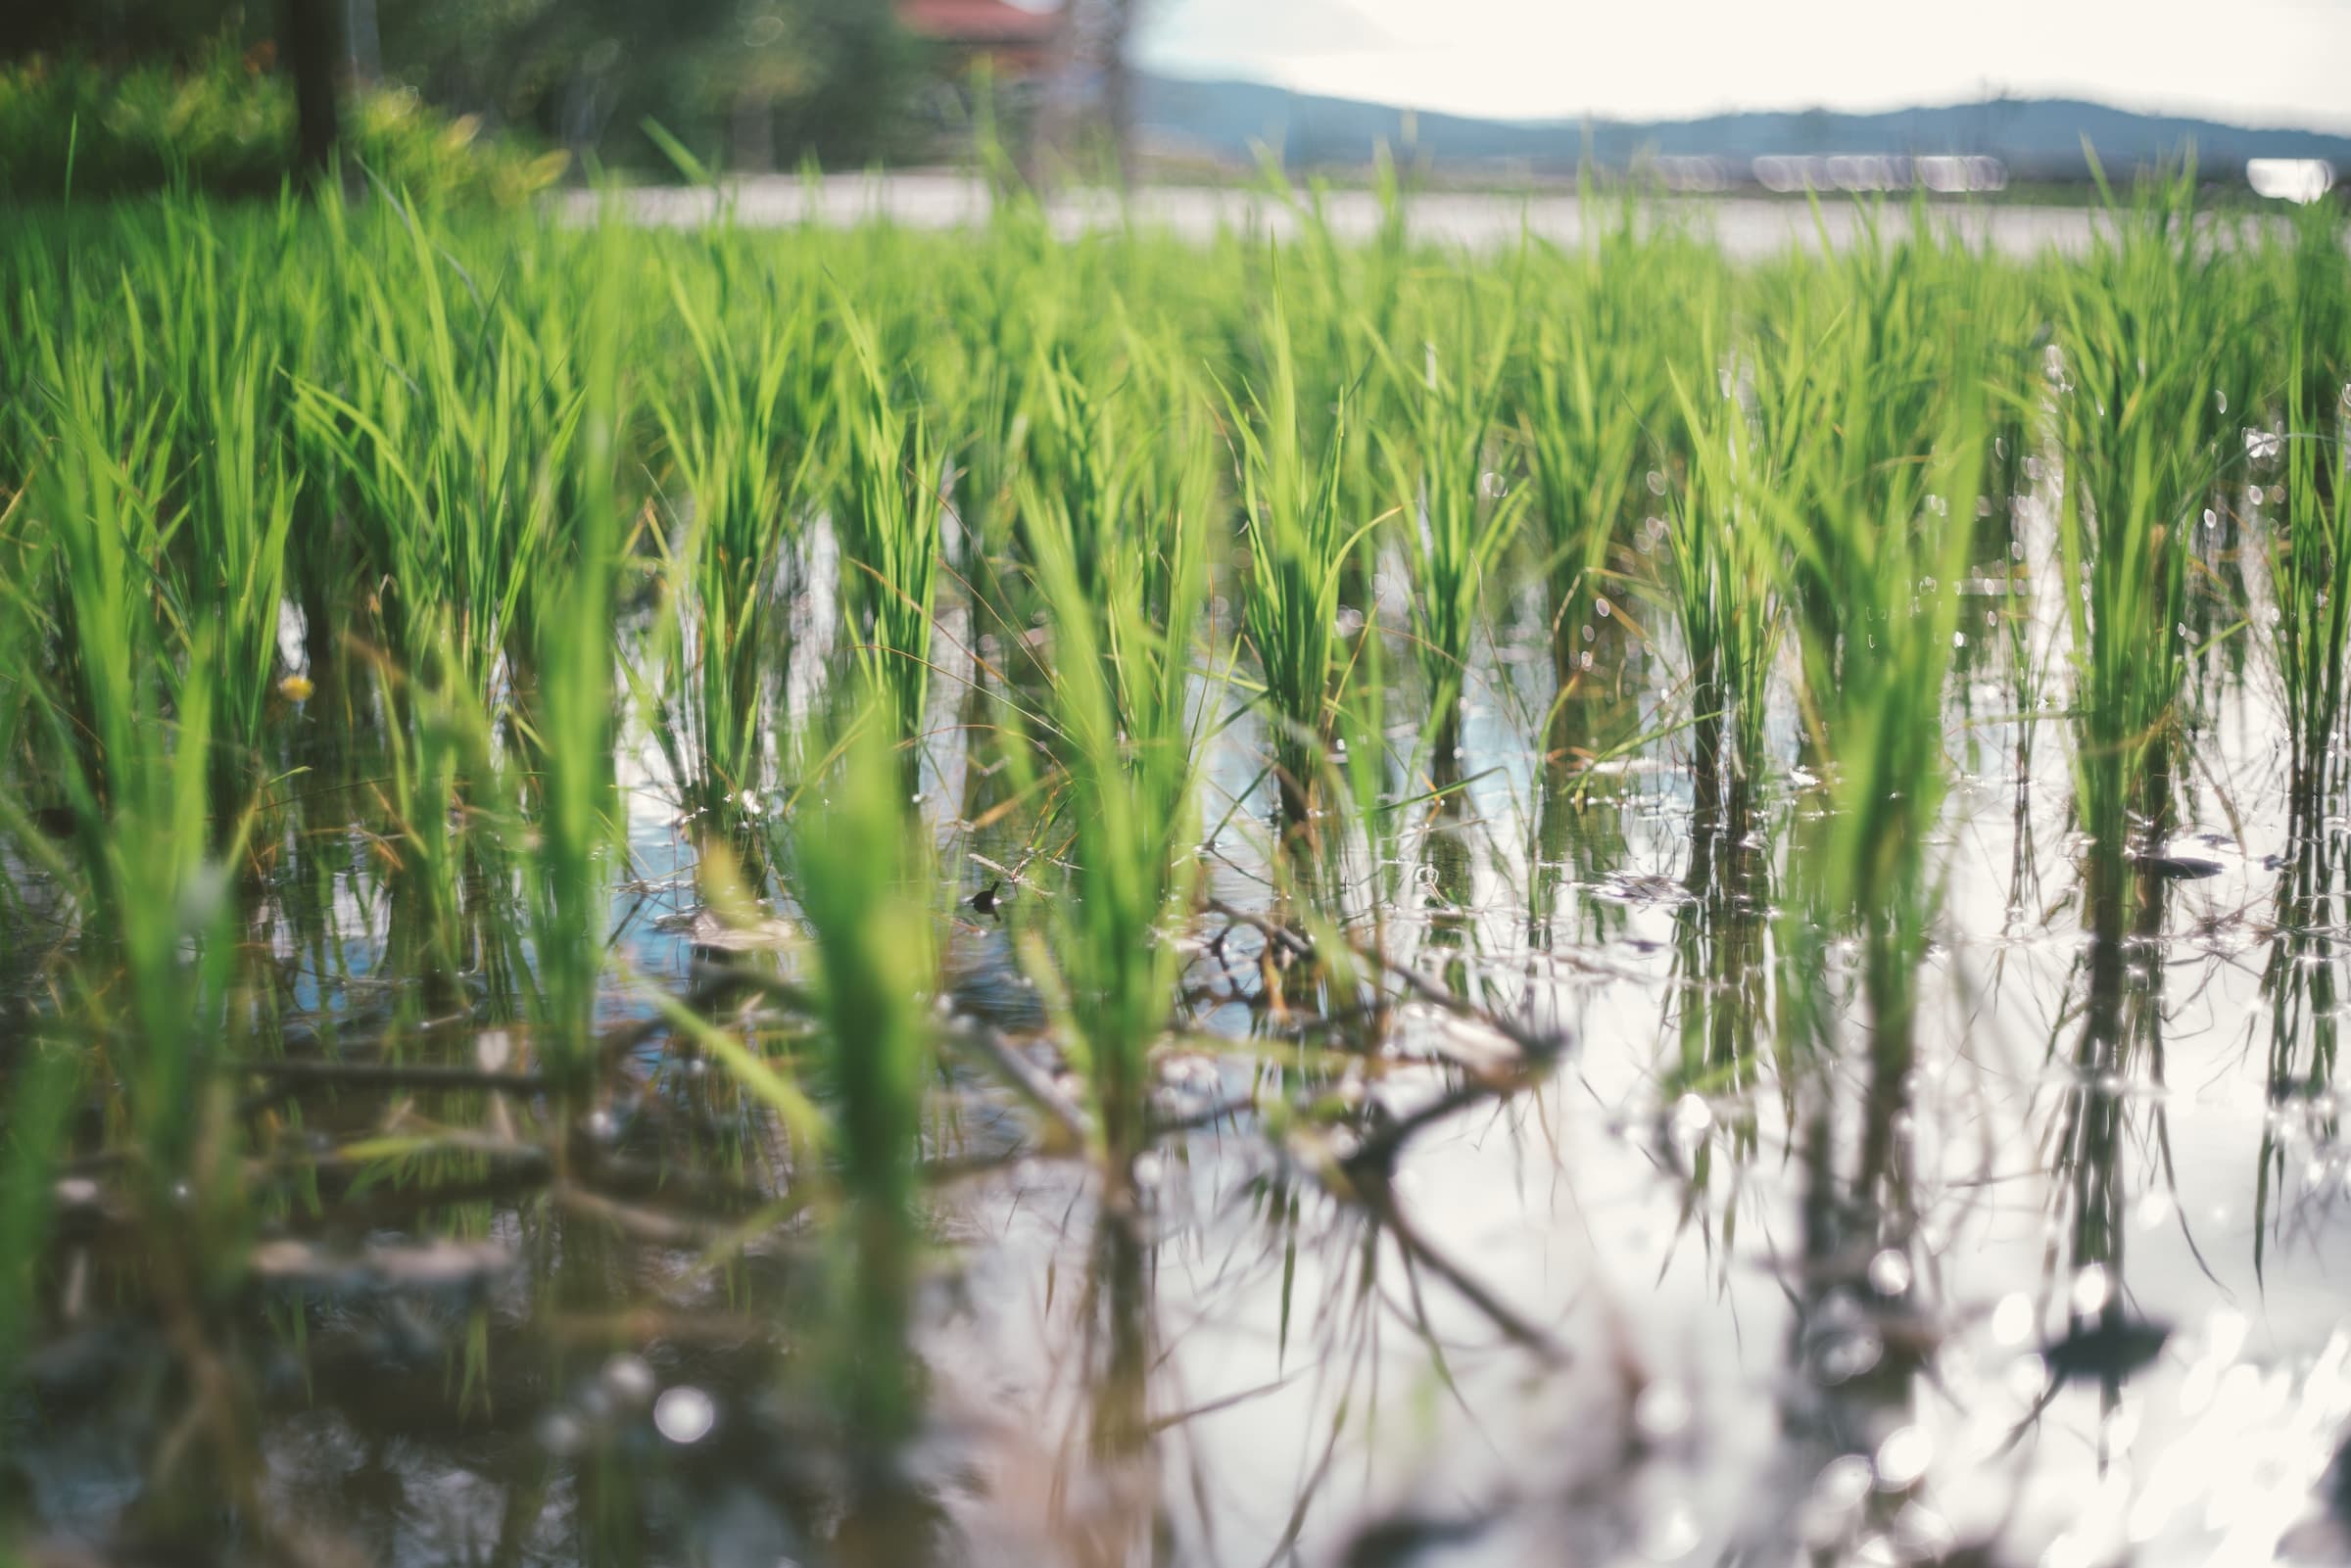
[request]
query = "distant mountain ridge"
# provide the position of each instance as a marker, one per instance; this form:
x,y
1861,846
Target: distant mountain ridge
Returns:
x,y
2036,137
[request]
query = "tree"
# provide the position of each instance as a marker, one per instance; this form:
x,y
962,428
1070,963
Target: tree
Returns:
x,y
1101,37
308,37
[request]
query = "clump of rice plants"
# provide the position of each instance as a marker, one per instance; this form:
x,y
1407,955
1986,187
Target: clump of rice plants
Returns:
x,y
1125,732
133,723
446,426
575,822
891,499
743,440
1876,672
1726,588
2310,558
1120,486
1459,508
862,874
2130,395
2310,575
1593,397
242,489
1299,537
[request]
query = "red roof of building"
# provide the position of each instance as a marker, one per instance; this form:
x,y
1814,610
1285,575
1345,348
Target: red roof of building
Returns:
x,y
976,22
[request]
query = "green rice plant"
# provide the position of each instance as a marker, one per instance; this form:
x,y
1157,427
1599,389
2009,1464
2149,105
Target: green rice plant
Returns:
x,y
2309,560
1848,389
1123,488
2310,573
741,438
2130,397
1583,423
448,423
1007,313
1368,774
2310,308
577,834
862,874
241,506
1875,677
1299,537
439,732
1349,301
891,499
136,776
1127,730
1082,481
25,623
1592,396
1460,512
97,490
1724,553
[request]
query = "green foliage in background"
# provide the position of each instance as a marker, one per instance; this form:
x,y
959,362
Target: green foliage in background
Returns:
x,y
219,123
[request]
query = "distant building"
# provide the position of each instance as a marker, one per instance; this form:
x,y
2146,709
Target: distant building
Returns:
x,y
1020,52
1018,45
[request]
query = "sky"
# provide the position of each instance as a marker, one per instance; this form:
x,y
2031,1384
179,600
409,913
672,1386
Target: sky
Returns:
x,y
2245,61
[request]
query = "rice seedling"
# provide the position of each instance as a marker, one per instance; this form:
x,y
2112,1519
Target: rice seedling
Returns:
x,y
1726,590
1126,732
1459,510
891,500
1009,316
186,342
137,782
2310,575
575,830
862,874
2310,559
742,435
2131,403
1875,681
1120,486
1857,401
1584,420
449,425
1352,302
1300,539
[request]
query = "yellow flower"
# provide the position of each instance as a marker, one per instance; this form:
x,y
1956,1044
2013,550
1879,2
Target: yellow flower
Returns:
x,y
296,689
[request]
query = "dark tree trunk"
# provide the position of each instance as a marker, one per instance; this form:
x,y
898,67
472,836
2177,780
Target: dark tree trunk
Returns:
x,y
308,28
1118,83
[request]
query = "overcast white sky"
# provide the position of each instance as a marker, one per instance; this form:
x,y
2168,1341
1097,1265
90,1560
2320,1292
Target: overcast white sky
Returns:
x,y
2248,61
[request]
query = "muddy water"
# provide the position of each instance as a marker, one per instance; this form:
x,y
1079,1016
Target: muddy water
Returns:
x,y
2062,1287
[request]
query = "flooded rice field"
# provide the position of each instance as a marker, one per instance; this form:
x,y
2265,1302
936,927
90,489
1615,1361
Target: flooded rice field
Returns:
x,y
1798,1027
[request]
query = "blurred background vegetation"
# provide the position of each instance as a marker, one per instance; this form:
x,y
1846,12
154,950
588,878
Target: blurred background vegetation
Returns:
x,y
500,97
